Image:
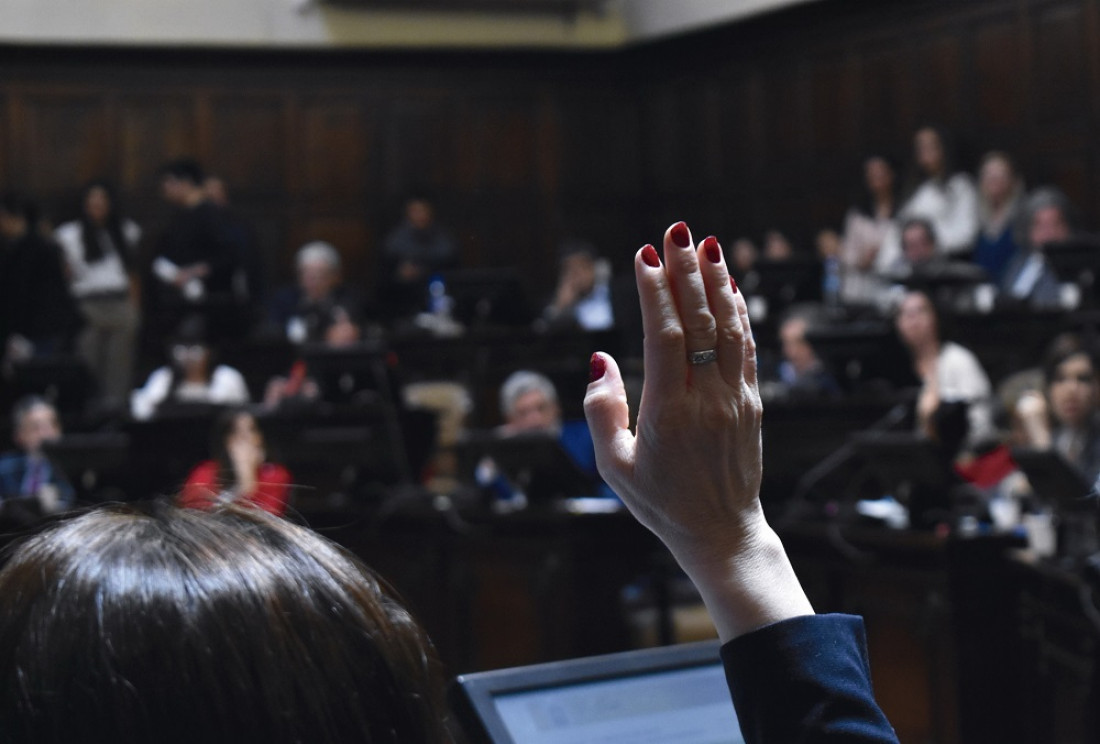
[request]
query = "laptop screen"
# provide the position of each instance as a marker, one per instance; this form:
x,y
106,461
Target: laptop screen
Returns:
x,y
675,695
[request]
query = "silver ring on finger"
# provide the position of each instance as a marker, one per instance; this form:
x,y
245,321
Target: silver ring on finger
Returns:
x,y
703,357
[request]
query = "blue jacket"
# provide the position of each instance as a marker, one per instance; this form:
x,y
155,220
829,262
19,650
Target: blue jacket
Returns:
x,y
805,681
14,481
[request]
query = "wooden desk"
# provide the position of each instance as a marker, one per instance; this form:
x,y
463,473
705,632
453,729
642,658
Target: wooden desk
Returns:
x,y
1058,651
496,591
938,612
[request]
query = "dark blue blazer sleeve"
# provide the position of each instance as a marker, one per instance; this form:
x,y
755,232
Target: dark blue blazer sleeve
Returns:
x,y
805,680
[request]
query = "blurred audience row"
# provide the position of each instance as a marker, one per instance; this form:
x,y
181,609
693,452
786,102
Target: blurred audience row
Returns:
x,y
166,305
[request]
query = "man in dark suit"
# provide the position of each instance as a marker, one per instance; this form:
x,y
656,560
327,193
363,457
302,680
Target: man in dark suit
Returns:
x,y
31,485
1029,276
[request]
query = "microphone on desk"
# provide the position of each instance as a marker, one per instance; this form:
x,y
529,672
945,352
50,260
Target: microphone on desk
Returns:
x,y
895,416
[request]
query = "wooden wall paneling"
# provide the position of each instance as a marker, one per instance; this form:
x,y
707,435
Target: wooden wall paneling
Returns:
x,y
1060,65
5,140
600,144
999,75
64,143
422,134
498,149
889,112
151,129
834,109
938,79
789,133
337,141
672,137
247,142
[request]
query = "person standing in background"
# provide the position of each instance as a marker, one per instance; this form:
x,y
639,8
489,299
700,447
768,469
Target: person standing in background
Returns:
x,y
38,316
100,249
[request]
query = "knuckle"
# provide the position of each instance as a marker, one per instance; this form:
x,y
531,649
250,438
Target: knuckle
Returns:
x,y
701,325
670,335
730,335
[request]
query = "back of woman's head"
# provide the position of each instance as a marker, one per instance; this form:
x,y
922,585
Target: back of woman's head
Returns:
x,y
152,623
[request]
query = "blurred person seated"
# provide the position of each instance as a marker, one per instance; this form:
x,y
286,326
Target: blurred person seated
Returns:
x,y
529,405
412,253
801,374
38,316
1065,415
101,254
1047,217
1000,198
582,299
949,373
191,376
777,248
239,471
827,246
30,485
919,247
870,239
947,200
235,595
418,247
319,309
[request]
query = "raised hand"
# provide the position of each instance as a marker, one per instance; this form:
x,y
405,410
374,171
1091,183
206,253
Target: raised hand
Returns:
x,y
691,472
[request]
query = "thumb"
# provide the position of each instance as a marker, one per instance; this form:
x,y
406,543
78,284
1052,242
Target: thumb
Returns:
x,y
608,416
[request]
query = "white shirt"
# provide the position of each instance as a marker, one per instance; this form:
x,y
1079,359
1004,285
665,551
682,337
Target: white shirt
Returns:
x,y
105,276
227,386
594,313
951,207
961,378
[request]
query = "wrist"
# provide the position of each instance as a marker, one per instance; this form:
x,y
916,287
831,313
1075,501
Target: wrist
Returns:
x,y
747,584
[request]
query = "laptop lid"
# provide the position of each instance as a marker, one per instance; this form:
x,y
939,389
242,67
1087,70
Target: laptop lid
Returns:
x,y
673,695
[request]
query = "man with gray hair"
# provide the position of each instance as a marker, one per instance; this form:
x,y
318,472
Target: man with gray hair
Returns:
x,y
1047,217
319,308
31,485
529,403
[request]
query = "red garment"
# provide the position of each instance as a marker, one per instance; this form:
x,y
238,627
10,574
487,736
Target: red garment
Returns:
x,y
271,493
989,469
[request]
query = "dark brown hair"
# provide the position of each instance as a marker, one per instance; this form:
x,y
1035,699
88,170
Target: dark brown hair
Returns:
x,y
1063,347
154,623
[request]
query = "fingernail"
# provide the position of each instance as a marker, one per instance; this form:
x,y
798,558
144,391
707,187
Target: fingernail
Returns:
x,y
733,283
712,250
596,367
649,255
680,235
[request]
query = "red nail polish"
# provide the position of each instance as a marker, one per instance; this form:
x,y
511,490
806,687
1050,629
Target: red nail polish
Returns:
x,y
733,283
680,235
596,367
649,255
712,250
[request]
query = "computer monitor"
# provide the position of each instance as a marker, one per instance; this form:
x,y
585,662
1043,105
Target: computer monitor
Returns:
x,y
534,462
670,695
